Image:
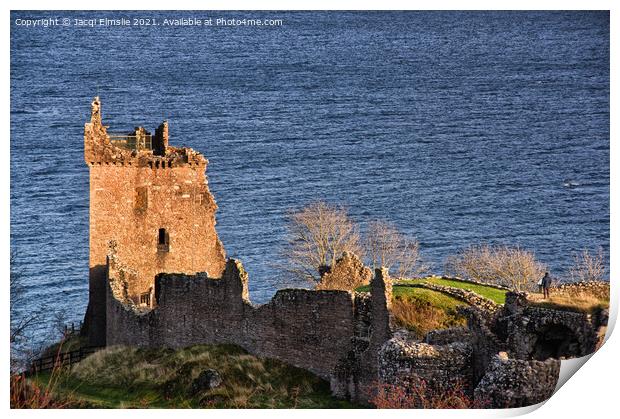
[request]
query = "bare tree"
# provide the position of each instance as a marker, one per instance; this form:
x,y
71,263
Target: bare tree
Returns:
x,y
587,266
386,246
23,319
318,234
508,266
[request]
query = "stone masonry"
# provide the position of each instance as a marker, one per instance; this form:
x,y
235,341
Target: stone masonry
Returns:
x,y
153,200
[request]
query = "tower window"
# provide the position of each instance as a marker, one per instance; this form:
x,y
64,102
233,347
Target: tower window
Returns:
x,y
163,240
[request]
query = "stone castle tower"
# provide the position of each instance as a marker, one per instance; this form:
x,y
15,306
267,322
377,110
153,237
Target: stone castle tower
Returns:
x,y
153,201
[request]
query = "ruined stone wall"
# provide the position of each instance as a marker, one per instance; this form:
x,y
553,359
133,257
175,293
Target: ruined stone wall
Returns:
x,y
531,332
308,329
130,204
441,367
517,383
344,337
356,374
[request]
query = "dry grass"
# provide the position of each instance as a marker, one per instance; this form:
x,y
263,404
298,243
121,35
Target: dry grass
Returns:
x,y
583,302
31,394
422,317
132,377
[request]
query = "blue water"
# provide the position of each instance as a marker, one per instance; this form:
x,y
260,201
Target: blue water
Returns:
x,y
459,127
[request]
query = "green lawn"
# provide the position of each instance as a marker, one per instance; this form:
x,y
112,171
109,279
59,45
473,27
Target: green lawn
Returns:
x,y
494,294
122,377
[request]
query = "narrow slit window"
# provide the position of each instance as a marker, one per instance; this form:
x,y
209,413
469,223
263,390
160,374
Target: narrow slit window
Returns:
x,y
163,240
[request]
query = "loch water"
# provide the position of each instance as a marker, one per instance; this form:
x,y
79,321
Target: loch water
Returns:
x,y
460,127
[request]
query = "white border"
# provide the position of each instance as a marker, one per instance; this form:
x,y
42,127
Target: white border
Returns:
x,y
592,393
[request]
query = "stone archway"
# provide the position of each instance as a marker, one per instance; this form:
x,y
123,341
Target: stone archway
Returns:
x,y
555,341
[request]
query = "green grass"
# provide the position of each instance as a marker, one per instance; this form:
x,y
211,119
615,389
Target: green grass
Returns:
x,y
434,298
494,294
121,377
421,310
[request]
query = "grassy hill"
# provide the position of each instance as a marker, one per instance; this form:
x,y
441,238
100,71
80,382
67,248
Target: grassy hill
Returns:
x,y
123,377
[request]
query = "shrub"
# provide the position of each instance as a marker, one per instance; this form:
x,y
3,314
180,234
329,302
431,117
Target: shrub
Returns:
x,y
30,394
418,394
503,265
588,267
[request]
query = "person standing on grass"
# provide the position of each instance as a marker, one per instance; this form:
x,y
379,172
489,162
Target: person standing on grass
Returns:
x,y
546,284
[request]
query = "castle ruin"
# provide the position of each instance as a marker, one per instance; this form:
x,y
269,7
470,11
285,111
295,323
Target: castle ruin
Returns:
x,y
153,199
159,278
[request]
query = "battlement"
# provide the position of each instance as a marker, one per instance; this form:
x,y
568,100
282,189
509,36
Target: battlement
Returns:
x,y
136,148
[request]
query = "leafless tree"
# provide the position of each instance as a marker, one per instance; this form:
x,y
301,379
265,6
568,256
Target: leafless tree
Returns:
x,y
23,319
509,266
386,246
588,266
318,234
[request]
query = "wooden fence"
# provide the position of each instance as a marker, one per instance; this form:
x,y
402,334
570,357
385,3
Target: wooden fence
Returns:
x,y
61,359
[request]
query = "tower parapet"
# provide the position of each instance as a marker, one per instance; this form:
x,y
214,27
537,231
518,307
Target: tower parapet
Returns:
x,y
135,148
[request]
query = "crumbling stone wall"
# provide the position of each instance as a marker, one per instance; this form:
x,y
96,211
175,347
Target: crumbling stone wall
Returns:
x,y
308,329
347,274
133,194
346,338
356,374
441,367
532,332
517,383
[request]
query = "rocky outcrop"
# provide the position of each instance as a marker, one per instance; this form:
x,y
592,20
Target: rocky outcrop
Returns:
x,y
450,335
206,380
347,274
